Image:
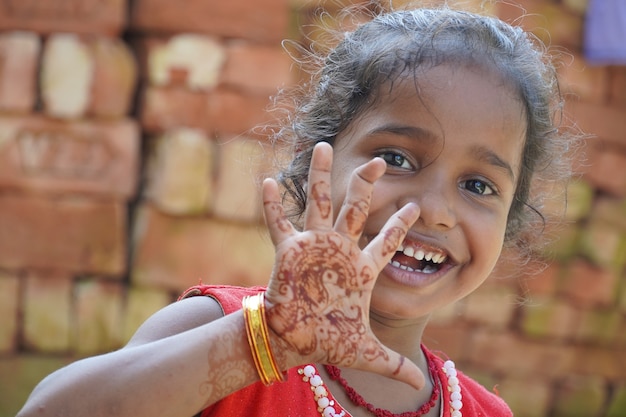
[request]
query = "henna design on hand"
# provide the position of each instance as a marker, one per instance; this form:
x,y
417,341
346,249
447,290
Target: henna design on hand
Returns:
x,y
315,315
321,196
393,237
281,220
356,217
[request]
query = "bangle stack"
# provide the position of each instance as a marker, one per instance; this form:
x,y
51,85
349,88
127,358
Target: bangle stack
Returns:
x,y
258,338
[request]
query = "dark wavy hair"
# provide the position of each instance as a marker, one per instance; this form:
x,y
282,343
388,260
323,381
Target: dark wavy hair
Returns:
x,y
401,43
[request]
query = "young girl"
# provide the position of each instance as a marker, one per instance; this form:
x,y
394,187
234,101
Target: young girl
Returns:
x,y
414,155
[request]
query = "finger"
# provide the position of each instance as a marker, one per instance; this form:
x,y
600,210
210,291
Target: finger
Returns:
x,y
355,209
279,227
395,366
319,211
382,248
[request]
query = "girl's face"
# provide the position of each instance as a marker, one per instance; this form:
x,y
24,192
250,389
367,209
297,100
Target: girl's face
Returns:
x,y
455,150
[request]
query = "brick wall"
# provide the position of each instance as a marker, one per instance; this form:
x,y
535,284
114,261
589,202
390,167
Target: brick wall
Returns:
x,y
128,172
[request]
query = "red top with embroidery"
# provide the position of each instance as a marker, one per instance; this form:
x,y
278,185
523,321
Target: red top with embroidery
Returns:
x,y
294,398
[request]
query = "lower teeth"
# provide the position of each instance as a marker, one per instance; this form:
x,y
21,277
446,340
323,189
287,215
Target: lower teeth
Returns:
x,y
428,269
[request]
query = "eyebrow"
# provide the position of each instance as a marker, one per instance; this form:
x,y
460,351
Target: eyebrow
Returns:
x,y
403,130
490,157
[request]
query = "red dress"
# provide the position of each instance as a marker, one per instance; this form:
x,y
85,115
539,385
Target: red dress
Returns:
x,y
295,398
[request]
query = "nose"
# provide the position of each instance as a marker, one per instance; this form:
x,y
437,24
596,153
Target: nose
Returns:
x,y
436,206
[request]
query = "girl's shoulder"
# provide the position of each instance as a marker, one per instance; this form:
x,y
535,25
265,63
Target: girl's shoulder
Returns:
x,y
477,400
229,297
183,315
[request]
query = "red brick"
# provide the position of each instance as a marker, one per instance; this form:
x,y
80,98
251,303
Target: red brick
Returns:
x,y
24,372
114,78
606,168
87,76
98,316
180,170
580,198
545,318
599,326
19,56
588,285
237,190
176,252
622,308
604,244
562,242
66,76
610,210
266,22
163,109
554,25
221,111
93,157
579,81
577,6
259,69
185,60
606,122
617,89
511,355
544,284
47,311
598,361
233,113
107,17
528,397
578,396
620,336
617,406
491,306
9,307
68,234
141,303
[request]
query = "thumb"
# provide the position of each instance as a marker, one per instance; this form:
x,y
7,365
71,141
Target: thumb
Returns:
x,y
395,366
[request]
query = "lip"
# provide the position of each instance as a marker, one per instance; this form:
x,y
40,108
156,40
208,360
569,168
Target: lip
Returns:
x,y
419,279
415,279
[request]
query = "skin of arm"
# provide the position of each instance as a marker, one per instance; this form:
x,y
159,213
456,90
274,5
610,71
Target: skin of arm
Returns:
x,y
183,358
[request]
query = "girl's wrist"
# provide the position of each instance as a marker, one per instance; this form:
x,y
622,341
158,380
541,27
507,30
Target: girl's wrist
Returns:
x,y
286,354
258,337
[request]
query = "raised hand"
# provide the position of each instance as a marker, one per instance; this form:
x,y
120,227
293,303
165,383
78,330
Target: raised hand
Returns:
x,y
319,293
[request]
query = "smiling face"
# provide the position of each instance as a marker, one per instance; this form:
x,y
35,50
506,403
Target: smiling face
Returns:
x,y
454,150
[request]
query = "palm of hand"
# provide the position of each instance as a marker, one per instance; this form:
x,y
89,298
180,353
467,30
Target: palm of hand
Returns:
x,y
321,286
323,295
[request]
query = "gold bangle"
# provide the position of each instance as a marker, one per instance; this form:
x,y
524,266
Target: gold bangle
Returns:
x,y
258,338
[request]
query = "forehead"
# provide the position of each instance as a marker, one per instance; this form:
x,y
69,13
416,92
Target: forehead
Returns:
x,y
458,104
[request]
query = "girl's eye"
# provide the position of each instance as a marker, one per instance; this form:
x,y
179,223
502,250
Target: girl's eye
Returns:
x,y
395,159
478,187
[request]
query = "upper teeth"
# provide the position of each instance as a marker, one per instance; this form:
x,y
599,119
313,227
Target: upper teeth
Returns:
x,y
420,254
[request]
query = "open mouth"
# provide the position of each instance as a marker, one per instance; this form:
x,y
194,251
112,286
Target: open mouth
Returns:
x,y
417,258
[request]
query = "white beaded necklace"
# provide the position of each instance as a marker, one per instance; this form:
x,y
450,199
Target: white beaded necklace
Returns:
x,y
326,408
454,387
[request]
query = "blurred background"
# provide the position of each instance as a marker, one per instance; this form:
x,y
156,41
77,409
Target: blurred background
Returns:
x,y
129,169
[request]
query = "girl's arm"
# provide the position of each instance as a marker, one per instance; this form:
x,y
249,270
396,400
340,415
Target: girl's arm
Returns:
x,y
188,356
182,359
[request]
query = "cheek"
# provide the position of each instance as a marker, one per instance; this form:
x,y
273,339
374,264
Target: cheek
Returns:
x,y
490,240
